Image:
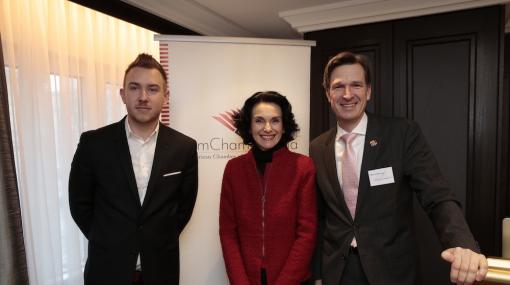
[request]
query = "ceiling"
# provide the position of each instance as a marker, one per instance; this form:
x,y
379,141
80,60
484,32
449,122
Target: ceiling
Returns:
x,y
289,19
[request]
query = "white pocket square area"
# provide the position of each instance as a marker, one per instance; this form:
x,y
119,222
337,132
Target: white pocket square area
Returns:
x,y
171,173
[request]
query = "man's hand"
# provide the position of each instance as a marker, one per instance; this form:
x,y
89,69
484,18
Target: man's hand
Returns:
x,y
318,282
467,265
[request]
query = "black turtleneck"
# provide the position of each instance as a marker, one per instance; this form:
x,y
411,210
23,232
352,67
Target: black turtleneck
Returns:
x,y
265,156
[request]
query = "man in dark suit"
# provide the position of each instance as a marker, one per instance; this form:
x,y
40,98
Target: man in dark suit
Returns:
x,y
367,170
133,185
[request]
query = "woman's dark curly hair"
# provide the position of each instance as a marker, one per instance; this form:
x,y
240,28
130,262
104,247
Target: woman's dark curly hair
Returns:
x,y
242,120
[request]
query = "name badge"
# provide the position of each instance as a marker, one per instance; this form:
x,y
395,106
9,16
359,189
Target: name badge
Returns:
x,y
381,176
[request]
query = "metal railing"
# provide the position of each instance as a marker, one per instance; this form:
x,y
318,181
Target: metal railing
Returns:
x,y
499,271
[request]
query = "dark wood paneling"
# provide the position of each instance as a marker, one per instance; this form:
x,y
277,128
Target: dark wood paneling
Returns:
x,y
476,33
438,77
435,85
444,71
504,131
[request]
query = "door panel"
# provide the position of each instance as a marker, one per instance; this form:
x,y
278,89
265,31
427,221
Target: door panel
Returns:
x,y
445,72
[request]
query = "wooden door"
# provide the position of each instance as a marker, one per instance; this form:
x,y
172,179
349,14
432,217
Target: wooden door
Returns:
x,y
445,72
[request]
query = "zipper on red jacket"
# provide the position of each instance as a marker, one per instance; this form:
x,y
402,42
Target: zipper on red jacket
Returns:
x,y
263,200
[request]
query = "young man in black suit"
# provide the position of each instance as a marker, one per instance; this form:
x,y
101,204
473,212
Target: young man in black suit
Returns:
x,y
133,185
366,233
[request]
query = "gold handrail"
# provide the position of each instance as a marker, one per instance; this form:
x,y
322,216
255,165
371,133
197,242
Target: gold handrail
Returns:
x,y
499,270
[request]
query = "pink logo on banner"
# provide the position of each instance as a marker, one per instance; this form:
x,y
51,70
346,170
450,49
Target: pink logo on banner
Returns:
x,y
163,59
227,119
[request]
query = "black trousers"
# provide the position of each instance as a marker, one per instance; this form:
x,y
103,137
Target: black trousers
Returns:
x,y
263,278
353,272
137,278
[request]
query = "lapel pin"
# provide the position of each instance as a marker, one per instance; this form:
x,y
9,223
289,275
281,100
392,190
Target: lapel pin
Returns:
x,y
373,142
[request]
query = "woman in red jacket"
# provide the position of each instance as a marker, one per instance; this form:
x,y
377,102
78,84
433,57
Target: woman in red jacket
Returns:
x,y
268,213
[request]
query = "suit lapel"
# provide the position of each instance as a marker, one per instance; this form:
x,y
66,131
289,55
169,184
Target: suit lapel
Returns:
x,y
124,156
332,172
370,151
162,146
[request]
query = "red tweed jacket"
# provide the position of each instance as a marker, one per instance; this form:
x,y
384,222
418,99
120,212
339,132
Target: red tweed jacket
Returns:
x,y
276,233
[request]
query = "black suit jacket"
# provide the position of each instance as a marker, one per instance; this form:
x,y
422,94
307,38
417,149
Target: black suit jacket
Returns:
x,y
383,223
105,205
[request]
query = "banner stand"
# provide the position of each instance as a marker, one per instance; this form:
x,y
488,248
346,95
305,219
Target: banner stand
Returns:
x,y
209,79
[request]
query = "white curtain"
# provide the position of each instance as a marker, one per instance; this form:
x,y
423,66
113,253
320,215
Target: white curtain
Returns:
x,y
64,66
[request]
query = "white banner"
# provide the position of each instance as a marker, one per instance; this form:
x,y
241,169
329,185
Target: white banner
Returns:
x,y
209,78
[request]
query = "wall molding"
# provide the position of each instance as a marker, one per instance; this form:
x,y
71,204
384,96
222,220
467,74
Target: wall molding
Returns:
x,y
355,12
194,16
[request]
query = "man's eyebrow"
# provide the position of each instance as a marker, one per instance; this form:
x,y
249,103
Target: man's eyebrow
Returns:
x,y
342,82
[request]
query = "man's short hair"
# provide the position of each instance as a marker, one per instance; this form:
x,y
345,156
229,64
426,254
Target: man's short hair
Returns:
x,y
144,60
344,58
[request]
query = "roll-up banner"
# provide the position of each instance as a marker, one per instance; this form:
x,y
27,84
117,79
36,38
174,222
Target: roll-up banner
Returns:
x,y
209,80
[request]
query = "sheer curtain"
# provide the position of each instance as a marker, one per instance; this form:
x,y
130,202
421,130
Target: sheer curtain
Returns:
x,y
64,65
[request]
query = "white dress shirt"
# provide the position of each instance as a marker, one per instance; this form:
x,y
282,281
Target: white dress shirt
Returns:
x,y
142,157
358,144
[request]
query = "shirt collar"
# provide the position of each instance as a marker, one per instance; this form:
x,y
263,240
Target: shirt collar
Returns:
x,y
360,129
131,134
